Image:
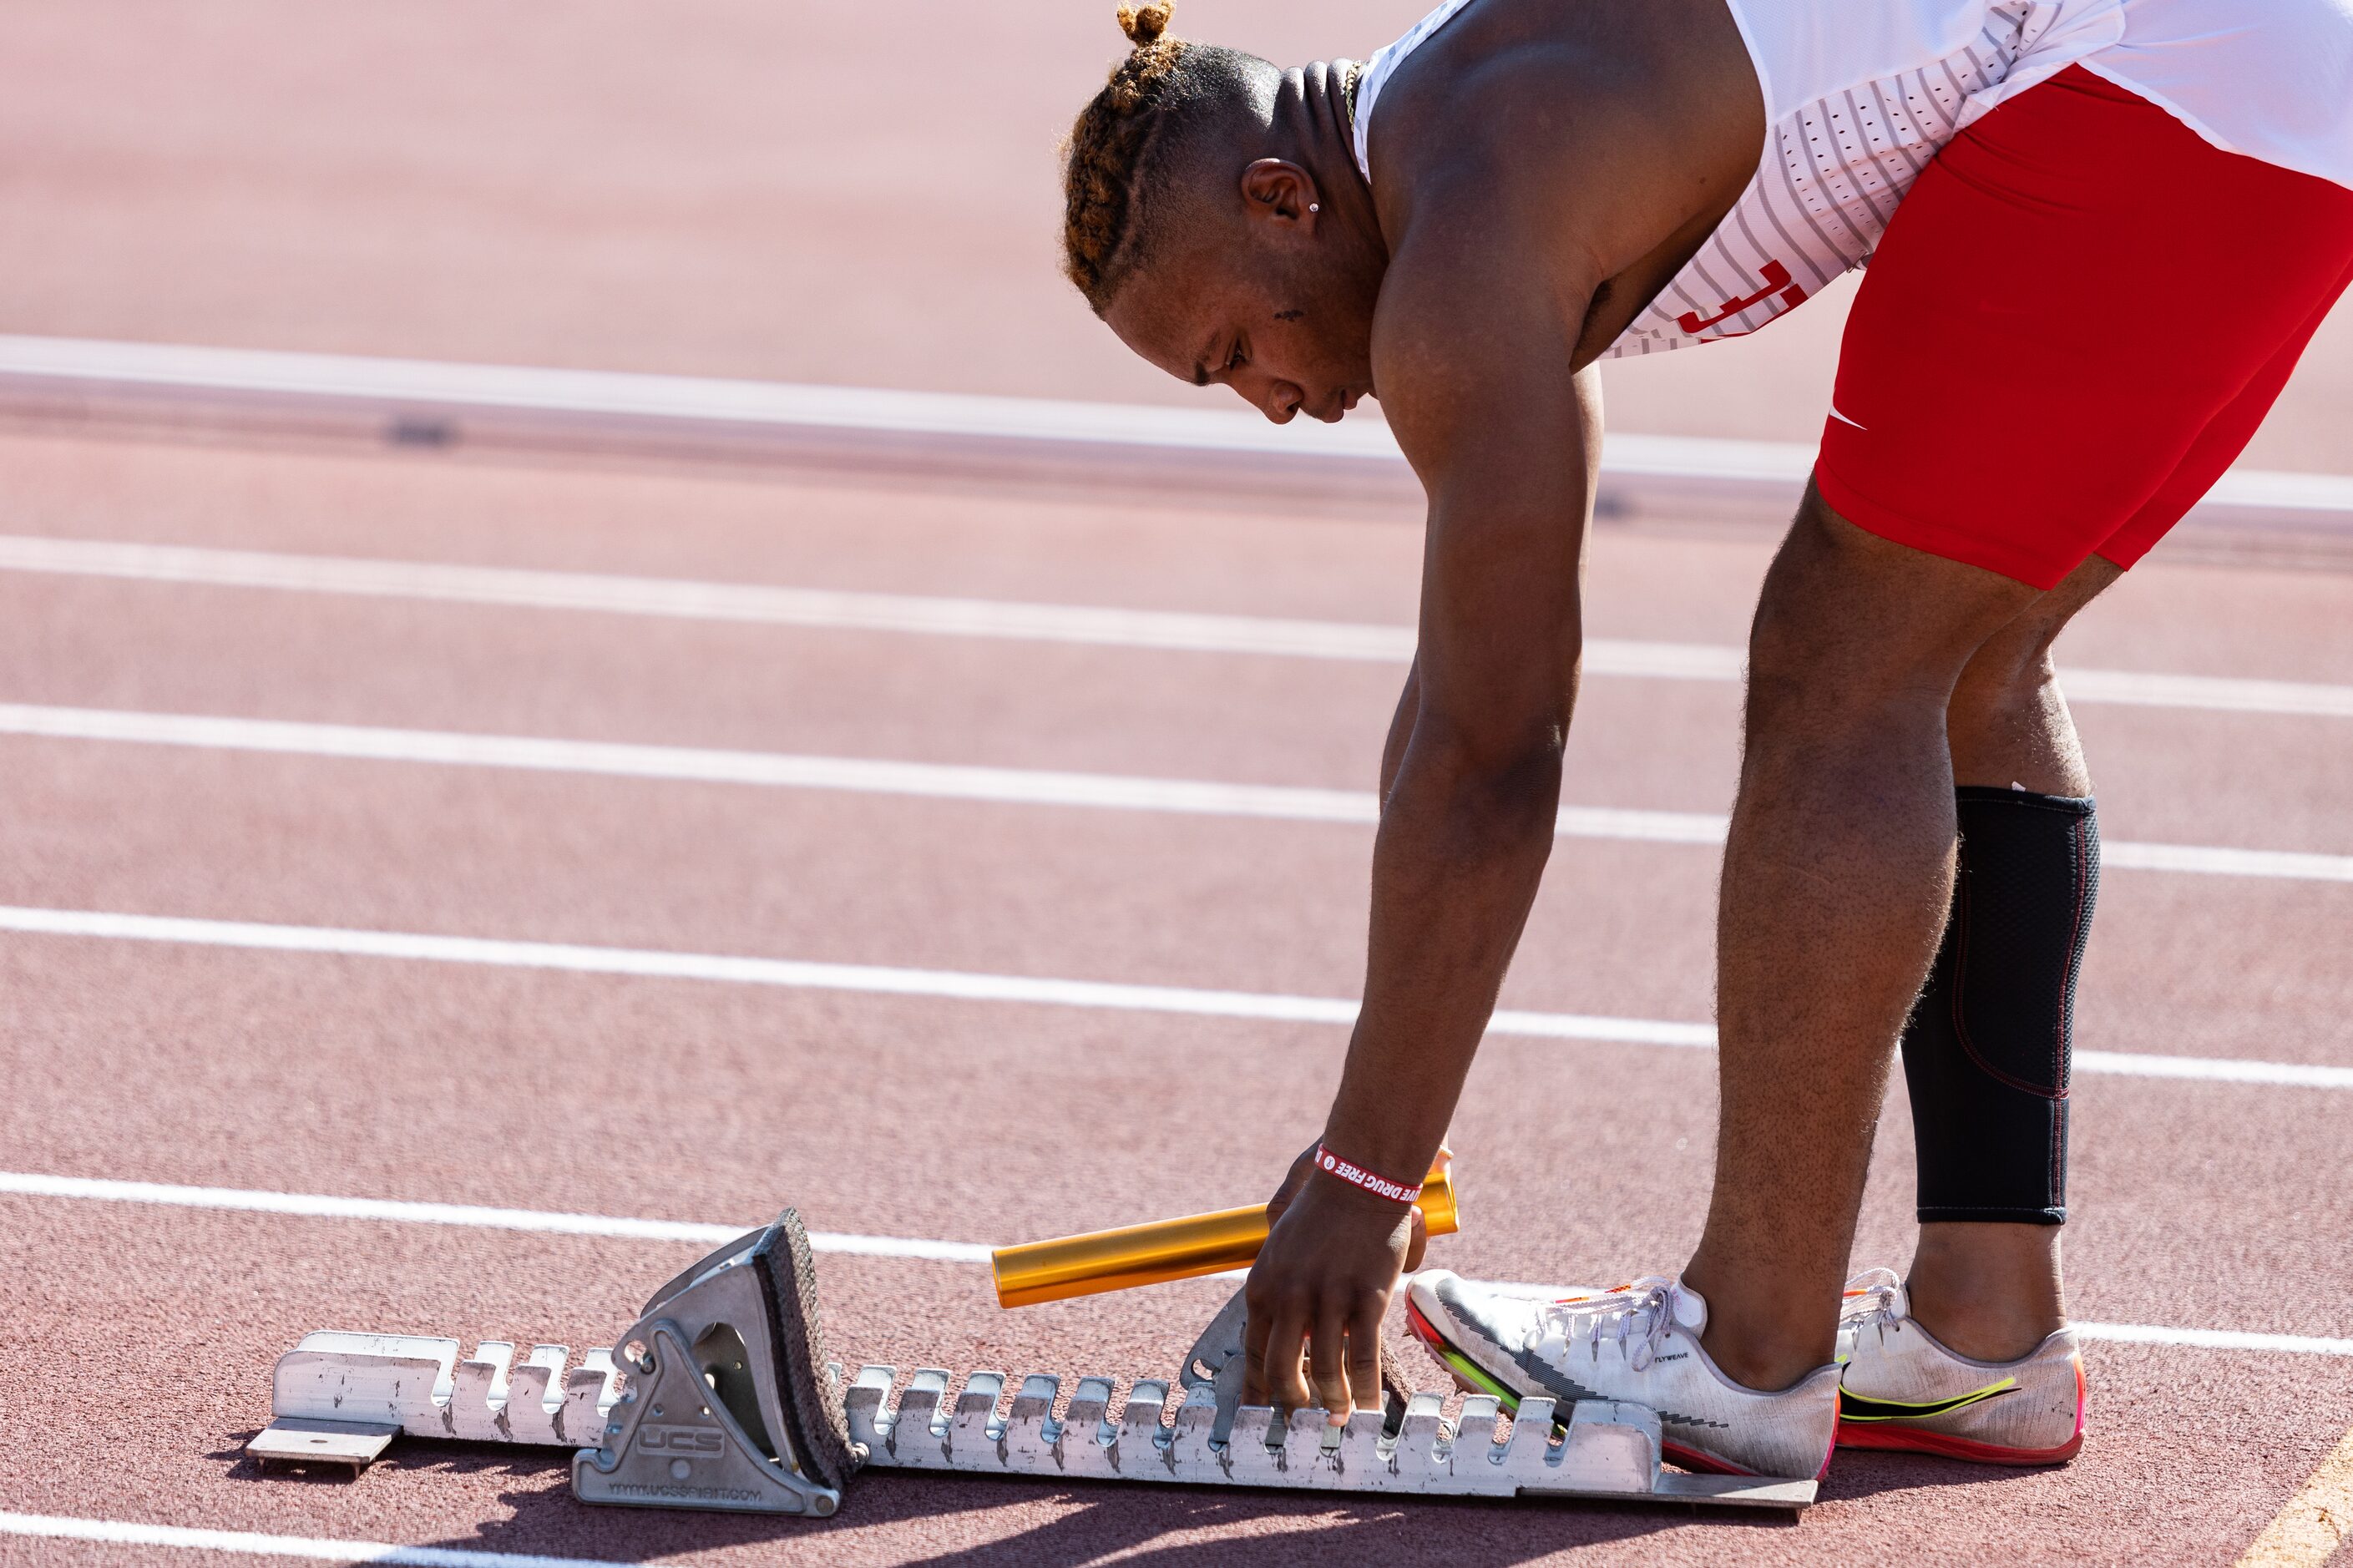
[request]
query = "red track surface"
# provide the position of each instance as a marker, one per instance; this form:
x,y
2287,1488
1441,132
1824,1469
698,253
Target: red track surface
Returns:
x,y
2201,1205
670,189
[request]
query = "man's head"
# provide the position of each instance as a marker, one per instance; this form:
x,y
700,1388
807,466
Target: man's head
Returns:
x,y
1216,221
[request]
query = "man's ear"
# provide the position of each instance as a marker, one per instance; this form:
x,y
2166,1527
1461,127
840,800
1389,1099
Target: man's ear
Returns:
x,y
1278,189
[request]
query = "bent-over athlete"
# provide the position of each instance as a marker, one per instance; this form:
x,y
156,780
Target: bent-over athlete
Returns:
x,y
2099,234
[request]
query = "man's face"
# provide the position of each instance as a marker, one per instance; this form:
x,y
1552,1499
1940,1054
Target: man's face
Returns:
x,y
1262,309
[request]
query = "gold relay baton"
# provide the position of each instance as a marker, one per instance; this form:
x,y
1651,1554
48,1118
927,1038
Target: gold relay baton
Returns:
x,y
1166,1249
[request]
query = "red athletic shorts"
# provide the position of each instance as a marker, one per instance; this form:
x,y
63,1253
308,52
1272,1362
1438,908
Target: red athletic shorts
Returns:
x,y
2075,321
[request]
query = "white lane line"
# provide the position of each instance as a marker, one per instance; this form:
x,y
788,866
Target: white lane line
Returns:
x,y
1024,786
794,975
2221,694
315,1206
1168,631
937,781
682,599
636,399
2212,1069
2215,1339
2293,865
632,400
255,1543
966,985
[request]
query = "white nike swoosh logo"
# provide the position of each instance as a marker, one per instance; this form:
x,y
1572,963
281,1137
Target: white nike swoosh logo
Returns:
x,y
1844,420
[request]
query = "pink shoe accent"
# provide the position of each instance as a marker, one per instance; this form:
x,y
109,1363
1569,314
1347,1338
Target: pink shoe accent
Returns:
x,y
1880,1435
1888,1434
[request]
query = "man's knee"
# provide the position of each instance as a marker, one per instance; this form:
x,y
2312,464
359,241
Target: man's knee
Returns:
x,y
1849,619
2012,670
2009,677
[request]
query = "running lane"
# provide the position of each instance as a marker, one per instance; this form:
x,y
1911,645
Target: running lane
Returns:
x,y
925,1117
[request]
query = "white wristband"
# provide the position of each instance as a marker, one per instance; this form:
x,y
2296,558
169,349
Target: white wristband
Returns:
x,y
1330,1164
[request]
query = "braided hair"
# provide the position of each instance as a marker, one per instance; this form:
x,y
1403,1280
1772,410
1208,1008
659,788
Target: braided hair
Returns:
x,y
1116,163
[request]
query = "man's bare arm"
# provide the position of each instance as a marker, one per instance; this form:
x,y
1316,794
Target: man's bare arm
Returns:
x,y
1504,433
1474,354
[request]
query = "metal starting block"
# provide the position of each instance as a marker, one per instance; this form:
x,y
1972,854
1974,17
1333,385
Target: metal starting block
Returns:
x,y
720,1397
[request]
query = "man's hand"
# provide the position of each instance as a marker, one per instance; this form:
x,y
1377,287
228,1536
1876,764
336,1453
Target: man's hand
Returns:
x,y
1319,1291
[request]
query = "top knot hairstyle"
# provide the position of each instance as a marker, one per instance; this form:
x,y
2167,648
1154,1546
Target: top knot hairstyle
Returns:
x,y
1146,24
1117,163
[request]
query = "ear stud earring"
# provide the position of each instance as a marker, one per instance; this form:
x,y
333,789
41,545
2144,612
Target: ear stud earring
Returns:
x,y
1314,206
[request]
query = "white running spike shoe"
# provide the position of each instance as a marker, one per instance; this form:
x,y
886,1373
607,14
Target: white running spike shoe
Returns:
x,y
1902,1389
1639,1343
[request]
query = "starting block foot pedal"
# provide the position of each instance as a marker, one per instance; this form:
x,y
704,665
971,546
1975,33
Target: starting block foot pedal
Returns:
x,y
729,1405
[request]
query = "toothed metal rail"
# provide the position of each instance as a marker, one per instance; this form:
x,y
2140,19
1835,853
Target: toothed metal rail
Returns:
x,y
342,1397
1600,1449
720,1397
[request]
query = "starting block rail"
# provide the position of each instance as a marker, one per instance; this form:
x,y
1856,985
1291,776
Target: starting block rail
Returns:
x,y
1597,1449
416,1384
720,1397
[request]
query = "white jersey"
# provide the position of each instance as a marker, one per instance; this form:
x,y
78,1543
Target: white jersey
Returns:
x,y
1861,94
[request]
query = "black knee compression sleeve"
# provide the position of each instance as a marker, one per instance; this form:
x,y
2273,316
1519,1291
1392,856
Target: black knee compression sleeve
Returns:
x,y
1987,1050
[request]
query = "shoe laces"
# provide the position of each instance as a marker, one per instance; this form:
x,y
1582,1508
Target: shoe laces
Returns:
x,y
1637,1317
1869,1301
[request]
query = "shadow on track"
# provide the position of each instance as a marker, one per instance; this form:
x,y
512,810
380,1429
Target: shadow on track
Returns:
x,y
1087,1522
1153,1525
1858,1474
